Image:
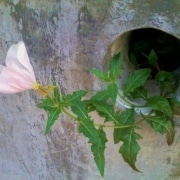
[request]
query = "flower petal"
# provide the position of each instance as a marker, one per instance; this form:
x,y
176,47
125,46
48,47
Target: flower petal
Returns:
x,y
17,59
12,81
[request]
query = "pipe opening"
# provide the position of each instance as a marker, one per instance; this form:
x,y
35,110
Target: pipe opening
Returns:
x,y
165,46
136,46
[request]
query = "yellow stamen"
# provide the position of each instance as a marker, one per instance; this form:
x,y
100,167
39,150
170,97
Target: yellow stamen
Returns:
x,y
43,90
36,86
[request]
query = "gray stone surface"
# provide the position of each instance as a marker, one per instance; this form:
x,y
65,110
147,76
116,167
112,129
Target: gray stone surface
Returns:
x,y
64,38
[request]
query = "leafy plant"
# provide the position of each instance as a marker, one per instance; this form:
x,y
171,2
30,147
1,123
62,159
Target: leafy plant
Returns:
x,y
79,108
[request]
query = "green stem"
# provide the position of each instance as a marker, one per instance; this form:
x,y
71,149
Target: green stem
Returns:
x,y
72,116
144,118
156,66
115,127
145,55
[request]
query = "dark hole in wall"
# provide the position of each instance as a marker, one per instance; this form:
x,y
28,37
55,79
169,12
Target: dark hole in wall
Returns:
x,y
166,47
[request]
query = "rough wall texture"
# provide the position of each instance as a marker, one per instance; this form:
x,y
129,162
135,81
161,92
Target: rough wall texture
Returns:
x,y
64,38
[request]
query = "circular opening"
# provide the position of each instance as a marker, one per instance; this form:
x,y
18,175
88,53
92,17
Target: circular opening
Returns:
x,y
137,47
149,43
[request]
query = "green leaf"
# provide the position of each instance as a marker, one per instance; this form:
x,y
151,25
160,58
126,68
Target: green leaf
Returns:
x,y
86,125
101,96
133,59
53,108
153,58
175,105
139,92
99,74
115,67
52,117
98,151
109,93
136,79
165,76
112,90
57,94
107,111
168,81
161,104
130,148
76,96
114,70
163,126
127,117
96,137
48,104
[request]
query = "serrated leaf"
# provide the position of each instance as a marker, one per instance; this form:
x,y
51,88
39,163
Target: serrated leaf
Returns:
x,y
57,94
139,92
48,104
99,74
168,81
52,117
115,67
75,96
106,110
153,58
86,125
175,105
114,70
98,151
127,117
136,79
112,90
101,96
163,126
96,137
161,104
130,148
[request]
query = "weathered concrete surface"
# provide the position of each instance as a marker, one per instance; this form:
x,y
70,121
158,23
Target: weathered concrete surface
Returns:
x,y
64,38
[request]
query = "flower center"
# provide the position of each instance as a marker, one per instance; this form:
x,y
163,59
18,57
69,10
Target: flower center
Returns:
x,y
43,90
36,86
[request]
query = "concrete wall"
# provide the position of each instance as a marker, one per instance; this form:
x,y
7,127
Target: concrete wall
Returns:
x,y
64,38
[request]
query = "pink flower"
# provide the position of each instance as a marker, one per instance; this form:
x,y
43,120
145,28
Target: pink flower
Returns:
x,y
18,74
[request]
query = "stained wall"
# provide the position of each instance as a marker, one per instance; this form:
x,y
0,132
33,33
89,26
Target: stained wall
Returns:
x,y
64,38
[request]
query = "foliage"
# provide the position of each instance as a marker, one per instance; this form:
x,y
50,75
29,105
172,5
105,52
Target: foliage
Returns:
x,y
79,108
135,80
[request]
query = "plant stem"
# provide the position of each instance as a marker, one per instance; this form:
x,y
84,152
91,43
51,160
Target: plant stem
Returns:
x,y
145,55
72,116
143,118
155,65
115,127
